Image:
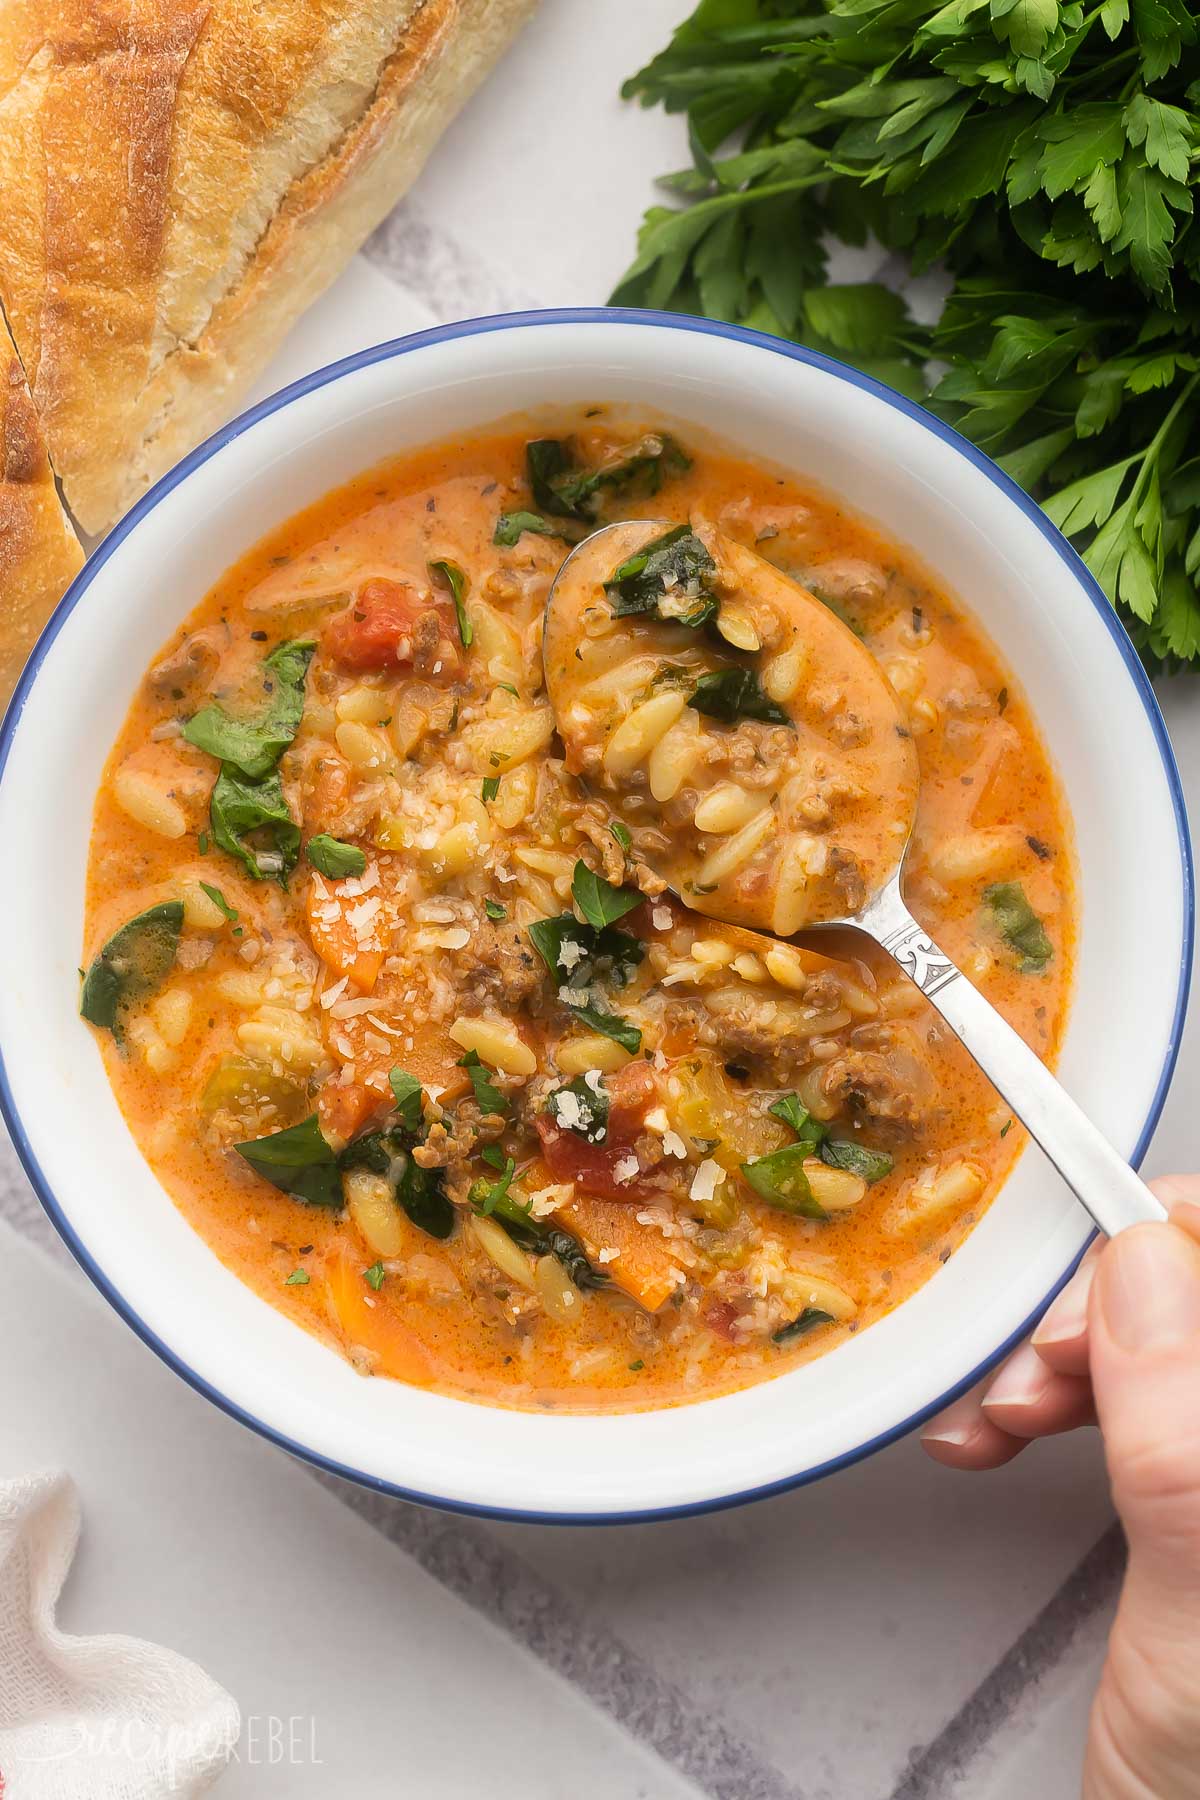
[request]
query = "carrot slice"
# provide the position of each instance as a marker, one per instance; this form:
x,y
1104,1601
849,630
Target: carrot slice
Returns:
x,y
395,1348
644,1267
347,947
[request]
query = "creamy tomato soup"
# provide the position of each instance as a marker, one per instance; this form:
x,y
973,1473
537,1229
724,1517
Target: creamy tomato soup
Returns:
x,y
406,1022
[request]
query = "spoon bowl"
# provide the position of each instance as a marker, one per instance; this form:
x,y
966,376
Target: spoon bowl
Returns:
x,y
746,740
756,761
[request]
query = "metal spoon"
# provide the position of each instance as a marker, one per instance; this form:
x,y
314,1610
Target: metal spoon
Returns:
x,y
1108,1188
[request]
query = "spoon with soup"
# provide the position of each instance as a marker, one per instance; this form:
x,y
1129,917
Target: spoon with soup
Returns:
x,y
756,761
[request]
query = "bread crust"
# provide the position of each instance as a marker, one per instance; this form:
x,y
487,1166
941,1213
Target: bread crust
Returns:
x,y
180,179
39,552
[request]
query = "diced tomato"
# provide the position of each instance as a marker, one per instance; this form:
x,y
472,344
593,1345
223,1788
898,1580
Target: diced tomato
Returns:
x,y
389,624
632,1091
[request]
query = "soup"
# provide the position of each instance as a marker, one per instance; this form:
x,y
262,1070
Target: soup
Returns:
x,y
423,1046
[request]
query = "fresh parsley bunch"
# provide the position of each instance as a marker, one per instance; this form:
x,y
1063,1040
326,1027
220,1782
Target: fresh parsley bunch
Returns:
x,y
1046,155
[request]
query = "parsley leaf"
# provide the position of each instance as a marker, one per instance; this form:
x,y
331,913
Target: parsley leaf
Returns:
x,y
1047,158
375,1276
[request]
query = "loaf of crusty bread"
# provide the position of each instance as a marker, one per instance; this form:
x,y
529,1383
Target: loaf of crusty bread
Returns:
x,y
179,179
39,552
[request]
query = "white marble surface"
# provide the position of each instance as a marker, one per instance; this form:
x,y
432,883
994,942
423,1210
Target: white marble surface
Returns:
x,y
896,1630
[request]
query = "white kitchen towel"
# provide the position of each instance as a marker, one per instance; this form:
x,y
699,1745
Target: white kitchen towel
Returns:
x,y
91,1718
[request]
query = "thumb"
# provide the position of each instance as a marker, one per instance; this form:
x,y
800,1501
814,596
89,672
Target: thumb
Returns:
x,y
1144,1326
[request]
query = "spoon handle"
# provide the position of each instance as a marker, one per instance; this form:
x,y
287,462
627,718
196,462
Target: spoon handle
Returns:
x,y
1103,1181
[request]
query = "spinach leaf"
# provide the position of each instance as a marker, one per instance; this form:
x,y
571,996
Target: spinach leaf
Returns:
x,y
547,1240
456,581
731,694
419,1192
406,1091
130,966
329,856
610,1025
375,1276
871,1165
559,486
488,1096
580,1106
1019,925
808,1320
793,1112
240,806
667,579
494,910
779,1179
297,1161
255,745
598,900
576,955
511,525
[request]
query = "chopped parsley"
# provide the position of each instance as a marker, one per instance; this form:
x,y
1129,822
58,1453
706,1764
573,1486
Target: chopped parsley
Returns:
x,y
494,910
491,787
375,1276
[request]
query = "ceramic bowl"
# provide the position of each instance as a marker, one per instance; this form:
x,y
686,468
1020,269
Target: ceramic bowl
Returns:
x,y
922,485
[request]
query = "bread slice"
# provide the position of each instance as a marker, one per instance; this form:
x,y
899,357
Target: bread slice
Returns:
x,y
179,179
39,552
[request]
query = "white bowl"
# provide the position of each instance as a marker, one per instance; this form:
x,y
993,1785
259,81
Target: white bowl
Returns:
x,y
922,484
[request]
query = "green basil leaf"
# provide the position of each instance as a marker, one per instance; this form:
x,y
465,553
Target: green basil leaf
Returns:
x,y
1019,925
456,581
329,856
406,1091
488,1096
807,1321
240,807
731,694
254,746
580,1106
779,1179
668,579
299,1162
598,900
133,962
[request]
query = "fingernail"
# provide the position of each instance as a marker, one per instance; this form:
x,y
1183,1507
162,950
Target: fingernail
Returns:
x,y
958,1435
1021,1382
1149,1288
1067,1317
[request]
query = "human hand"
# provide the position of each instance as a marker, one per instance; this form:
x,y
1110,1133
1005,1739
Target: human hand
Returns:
x,y
1120,1347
